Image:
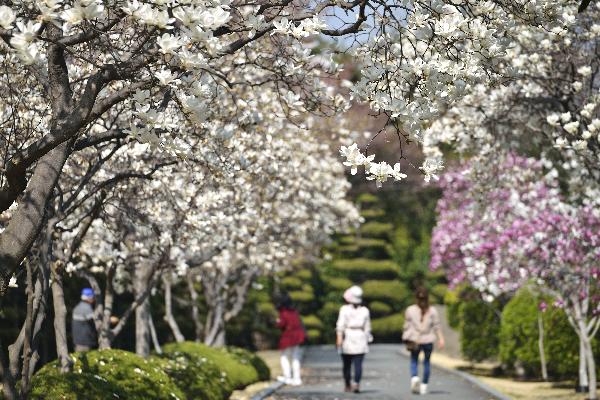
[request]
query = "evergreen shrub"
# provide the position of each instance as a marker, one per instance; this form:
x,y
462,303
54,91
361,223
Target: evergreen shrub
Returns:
x,y
361,269
393,292
379,308
388,329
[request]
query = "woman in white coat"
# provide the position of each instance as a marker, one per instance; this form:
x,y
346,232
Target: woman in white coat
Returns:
x,y
353,335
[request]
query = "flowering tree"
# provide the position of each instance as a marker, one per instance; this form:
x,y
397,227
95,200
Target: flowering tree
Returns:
x,y
523,231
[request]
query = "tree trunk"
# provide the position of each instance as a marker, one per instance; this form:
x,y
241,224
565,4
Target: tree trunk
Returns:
x,y
24,226
142,312
583,376
541,346
154,336
591,365
28,333
215,326
169,318
60,321
198,326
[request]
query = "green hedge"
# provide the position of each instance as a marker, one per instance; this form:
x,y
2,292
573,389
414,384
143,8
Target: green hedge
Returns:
x,y
519,338
379,308
337,283
238,375
376,229
291,282
388,329
106,374
198,377
361,269
247,357
312,322
394,293
301,296
304,274
371,214
479,329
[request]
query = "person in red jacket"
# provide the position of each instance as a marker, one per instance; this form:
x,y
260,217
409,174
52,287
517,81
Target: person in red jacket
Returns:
x,y
292,336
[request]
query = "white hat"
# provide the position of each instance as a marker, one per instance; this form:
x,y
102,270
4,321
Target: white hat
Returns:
x,y
353,295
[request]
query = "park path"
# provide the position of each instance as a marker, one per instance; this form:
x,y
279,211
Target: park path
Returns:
x,y
385,377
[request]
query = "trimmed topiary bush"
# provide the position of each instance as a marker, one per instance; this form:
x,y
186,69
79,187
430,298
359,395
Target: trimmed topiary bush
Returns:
x,y
479,329
301,296
106,374
313,335
247,357
312,322
519,337
291,282
237,374
379,308
388,329
361,269
198,377
391,292
337,283
376,229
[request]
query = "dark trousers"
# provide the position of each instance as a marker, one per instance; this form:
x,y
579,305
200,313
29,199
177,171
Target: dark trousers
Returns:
x,y
357,360
427,349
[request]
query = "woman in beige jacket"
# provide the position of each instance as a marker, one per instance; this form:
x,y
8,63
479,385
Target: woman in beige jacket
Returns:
x,y
421,326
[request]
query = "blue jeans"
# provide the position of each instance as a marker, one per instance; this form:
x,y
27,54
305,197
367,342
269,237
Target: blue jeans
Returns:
x,y
426,348
357,360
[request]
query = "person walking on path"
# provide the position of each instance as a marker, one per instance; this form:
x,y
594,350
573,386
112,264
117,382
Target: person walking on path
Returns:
x,y
292,336
421,326
83,327
353,335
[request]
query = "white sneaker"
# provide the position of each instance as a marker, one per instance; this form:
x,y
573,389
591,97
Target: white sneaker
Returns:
x,y
283,379
423,389
415,384
296,382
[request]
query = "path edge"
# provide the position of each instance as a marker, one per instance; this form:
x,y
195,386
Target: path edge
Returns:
x,y
468,377
268,391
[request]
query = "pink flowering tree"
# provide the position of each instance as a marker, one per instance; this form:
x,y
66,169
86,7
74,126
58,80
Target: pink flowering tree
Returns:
x,y
520,230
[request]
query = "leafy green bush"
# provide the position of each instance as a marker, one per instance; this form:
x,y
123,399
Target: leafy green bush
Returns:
x,y
376,229
301,296
104,374
312,322
337,283
452,302
519,337
198,377
438,293
237,374
291,282
391,292
366,199
372,248
388,329
361,269
379,308
479,329
304,274
244,356
328,315
371,214
313,335
267,309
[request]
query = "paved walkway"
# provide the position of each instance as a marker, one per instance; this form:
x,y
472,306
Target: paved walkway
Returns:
x,y
385,377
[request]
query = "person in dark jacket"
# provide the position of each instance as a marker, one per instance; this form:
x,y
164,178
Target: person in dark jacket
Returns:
x,y
292,336
83,327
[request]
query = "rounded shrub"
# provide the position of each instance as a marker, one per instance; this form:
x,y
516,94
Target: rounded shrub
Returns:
x,y
106,374
373,214
376,229
304,274
388,329
337,283
479,329
379,308
247,357
312,322
361,269
313,335
291,282
301,296
372,248
198,377
519,335
238,375
392,292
